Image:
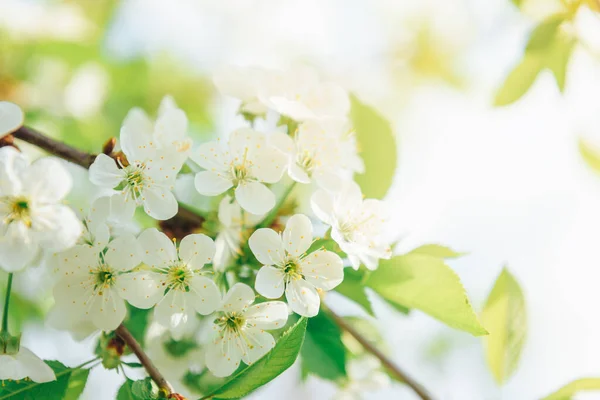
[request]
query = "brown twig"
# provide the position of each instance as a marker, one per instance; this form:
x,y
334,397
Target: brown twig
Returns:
x,y
386,362
154,373
54,147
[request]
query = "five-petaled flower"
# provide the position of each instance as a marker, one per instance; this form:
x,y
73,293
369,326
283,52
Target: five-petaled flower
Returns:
x,y
240,330
245,163
286,266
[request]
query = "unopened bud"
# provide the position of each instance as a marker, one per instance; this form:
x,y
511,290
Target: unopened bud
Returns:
x,y
109,146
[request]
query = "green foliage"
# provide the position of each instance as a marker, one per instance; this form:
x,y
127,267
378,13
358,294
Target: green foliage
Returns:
x,y
323,353
549,47
377,143
179,348
270,366
590,155
137,323
436,250
353,288
426,283
144,389
505,318
580,385
68,385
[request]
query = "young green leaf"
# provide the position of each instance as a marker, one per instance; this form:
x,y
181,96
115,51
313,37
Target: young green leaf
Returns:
x,y
378,149
125,392
68,385
519,80
426,283
353,288
590,154
436,250
545,33
270,366
323,353
143,389
505,318
580,385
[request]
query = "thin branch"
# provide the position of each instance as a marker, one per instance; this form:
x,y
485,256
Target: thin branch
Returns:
x,y
54,147
154,373
386,362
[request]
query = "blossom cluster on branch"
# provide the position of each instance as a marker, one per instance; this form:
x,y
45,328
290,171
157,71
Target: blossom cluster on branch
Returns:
x,y
285,217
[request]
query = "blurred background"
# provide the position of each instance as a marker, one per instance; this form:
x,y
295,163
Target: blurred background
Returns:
x,y
489,166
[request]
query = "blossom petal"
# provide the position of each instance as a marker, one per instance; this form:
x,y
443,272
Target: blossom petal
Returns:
x,y
267,315
322,205
243,142
302,297
47,180
283,143
124,253
323,269
122,207
237,298
160,203
212,183
11,117
297,236
105,172
141,289
267,246
269,164
136,136
207,297
223,356
107,310
37,370
56,227
196,250
174,312
16,255
259,344
157,250
255,197
212,156
298,174
171,126
270,282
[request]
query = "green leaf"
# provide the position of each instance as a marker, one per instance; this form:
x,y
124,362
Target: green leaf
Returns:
x,y
519,80
377,143
436,250
143,389
323,353
353,288
568,391
545,33
590,154
137,323
68,385
426,283
505,318
557,59
267,368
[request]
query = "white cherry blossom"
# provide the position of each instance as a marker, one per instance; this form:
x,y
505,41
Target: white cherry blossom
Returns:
x,y
32,216
245,163
150,171
324,150
241,330
11,118
173,281
286,266
25,364
93,283
356,224
300,94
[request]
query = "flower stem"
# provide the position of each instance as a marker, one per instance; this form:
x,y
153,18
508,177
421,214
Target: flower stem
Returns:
x,y
6,302
153,372
389,365
270,217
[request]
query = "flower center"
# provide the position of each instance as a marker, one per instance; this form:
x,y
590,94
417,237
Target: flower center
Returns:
x,y
233,321
18,210
239,173
136,180
178,277
105,277
306,160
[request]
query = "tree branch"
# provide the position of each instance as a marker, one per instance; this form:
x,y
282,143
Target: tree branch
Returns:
x,y
154,373
386,362
55,147
80,158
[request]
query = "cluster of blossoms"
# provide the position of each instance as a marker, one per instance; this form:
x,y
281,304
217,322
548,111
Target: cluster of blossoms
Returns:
x,y
254,261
